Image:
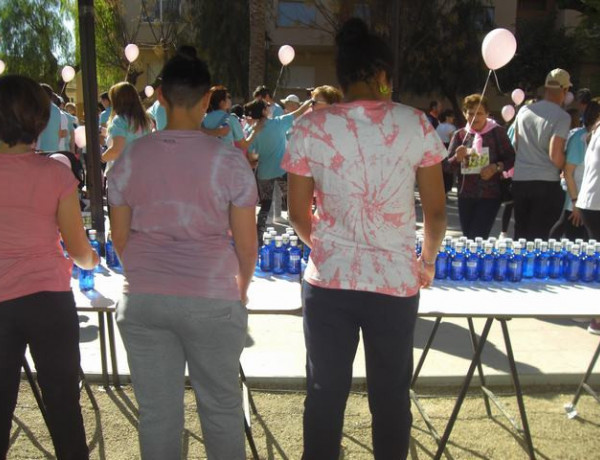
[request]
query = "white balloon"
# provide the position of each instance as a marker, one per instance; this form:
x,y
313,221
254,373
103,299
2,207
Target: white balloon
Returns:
x,y
518,96
508,112
2,67
286,54
569,98
498,48
149,91
68,73
80,140
132,52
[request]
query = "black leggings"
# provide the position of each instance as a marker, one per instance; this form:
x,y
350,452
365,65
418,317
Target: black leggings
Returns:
x,y
591,220
538,205
333,320
48,323
477,216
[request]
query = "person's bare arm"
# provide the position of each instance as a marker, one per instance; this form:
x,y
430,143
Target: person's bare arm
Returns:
x,y
433,201
300,196
120,224
572,193
303,108
557,151
243,228
114,150
73,234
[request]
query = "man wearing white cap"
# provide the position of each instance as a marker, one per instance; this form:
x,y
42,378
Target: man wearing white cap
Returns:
x,y
540,135
291,103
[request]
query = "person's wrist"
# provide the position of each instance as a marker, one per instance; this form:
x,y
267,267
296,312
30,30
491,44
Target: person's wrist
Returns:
x,y
426,262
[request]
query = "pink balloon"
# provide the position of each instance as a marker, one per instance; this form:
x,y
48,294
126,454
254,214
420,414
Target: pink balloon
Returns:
x,y
518,96
569,98
149,91
508,112
80,140
132,52
286,54
498,48
2,67
67,73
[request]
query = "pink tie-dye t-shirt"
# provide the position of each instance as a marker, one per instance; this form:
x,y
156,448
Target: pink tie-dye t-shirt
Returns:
x,y
363,157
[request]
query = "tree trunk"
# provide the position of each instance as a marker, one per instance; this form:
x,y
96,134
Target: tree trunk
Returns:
x,y
257,60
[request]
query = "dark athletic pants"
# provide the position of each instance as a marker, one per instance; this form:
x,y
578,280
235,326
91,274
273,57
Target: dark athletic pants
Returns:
x,y
565,227
48,323
538,205
591,220
477,216
332,321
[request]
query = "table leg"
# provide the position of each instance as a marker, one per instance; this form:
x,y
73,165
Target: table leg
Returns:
x,y
464,389
113,349
570,408
101,335
486,400
517,384
417,371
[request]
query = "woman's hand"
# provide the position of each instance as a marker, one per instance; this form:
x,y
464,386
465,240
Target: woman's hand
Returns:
x,y
575,217
426,273
488,171
461,153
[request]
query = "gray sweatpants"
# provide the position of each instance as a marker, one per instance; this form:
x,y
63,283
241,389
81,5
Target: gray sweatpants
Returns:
x,y
163,333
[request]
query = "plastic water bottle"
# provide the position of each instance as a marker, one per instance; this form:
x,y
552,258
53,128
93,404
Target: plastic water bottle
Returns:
x,y
555,261
112,260
514,269
542,262
418,246
589,265
305,253
266,263
441,264
279,257
472,263
538,245
294,256
510,246
529,260
451,251
486,263
493,240
92,234
501,262
86,279
572,264
479,242
457,270
597,255
285,238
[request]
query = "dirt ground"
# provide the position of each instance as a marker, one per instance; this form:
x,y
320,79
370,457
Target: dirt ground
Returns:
x,y
277,427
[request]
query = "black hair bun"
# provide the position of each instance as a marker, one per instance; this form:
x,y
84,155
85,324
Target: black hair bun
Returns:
x,y
354,32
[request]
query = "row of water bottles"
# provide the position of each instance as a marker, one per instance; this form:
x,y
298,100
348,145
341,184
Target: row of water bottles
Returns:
x,y
508,260
281,254
86,277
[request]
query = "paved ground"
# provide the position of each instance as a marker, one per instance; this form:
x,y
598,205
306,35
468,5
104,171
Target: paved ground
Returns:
x,y
547,352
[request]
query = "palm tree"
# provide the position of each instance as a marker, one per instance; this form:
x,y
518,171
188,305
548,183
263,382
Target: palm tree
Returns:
x,y
257,61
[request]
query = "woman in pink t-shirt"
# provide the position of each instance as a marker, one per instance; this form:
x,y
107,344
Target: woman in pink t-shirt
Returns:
x,y
361,158
38,198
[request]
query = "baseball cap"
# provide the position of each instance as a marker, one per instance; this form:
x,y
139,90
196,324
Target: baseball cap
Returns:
x,y
558,78
291,98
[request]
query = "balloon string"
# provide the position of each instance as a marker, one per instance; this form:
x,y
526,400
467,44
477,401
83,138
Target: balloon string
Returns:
x,y
127,73
277,84
487,80
498,84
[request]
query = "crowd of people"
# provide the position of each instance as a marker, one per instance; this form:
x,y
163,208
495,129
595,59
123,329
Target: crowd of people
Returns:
x,y
184,178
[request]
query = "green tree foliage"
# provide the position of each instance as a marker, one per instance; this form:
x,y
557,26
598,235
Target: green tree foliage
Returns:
x,y
34,40
221,34
541,47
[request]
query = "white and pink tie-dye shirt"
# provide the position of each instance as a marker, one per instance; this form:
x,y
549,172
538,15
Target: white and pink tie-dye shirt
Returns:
x,y
363,157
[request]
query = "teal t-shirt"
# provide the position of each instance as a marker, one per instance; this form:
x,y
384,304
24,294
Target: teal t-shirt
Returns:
x,y
218,118
104,116
576,147
120,127
49,138
276,110
270,145
159,115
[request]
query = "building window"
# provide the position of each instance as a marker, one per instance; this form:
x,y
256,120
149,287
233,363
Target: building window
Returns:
x,y
162,10
295,14
539,5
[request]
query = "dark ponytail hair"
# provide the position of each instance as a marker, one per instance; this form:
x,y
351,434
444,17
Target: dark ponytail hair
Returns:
x,y
360,54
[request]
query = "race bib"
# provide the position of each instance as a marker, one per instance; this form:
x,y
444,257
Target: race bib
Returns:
x,y
475,161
